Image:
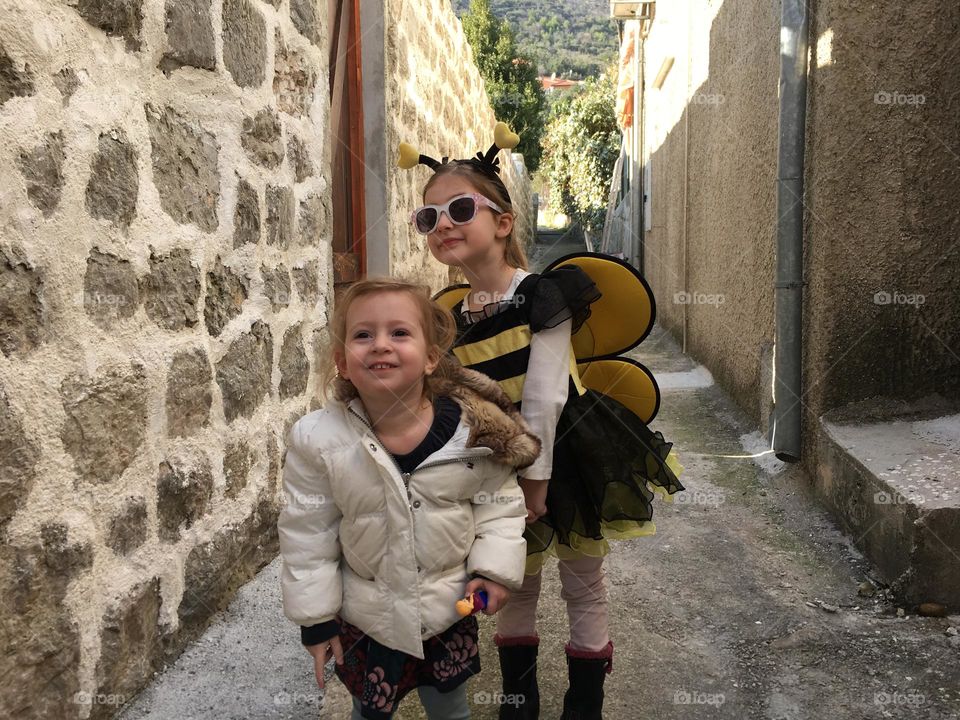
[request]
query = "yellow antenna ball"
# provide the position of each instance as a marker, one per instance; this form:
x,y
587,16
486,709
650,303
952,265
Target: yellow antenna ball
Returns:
x,y
505,139
409,157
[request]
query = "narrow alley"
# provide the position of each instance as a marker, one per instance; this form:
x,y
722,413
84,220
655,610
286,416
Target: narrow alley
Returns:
x,y
748,603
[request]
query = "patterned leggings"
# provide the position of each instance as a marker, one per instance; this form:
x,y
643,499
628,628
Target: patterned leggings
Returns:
x,y
583,590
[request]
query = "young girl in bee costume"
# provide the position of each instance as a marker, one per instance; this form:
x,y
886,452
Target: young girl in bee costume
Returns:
x,y
600,465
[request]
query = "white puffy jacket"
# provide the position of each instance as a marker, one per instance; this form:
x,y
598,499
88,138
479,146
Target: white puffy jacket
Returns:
x,y
389,552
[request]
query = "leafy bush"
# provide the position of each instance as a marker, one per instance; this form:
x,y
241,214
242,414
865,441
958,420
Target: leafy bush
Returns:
x,y
510,78
581,145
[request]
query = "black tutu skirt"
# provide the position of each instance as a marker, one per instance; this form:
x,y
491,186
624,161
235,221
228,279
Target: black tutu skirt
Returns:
x,y
607,468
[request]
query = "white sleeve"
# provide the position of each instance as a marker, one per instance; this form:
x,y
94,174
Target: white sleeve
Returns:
x,y
545,392
309,529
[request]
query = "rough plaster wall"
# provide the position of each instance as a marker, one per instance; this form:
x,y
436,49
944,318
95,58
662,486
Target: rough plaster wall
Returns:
x,y
881,195
730,113
883,187
164,272
436,102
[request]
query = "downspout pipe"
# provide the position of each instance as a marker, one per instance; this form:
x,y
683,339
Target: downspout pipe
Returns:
x,y
787,414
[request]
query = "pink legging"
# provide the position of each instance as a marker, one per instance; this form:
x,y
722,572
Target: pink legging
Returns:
x,y
585,594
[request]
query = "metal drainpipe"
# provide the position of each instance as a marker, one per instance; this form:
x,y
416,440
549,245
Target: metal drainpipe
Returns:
x,y
789,284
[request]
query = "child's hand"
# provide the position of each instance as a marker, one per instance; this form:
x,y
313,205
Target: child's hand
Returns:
x,y
321,653
535,498
497,594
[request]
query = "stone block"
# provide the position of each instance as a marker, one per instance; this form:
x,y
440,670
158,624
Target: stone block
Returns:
x,y
305,16
280,216
128,528
184,167
14,80
238,458
21,303
276,286
216,569
294,79
226,292
313,225
246,215
42,169
114,182
117,18
294,366
190,39
298,155
189,392
106,421
110,288
67,82
244,372
244,42
130,646
184,488
63,557
171,291
305,278
262,138
18,458
40,678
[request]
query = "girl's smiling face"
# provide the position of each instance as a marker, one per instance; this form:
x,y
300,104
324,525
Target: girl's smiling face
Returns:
x,y
478,242
385,350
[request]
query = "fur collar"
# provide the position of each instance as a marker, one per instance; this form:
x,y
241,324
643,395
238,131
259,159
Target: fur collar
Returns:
x,y
494,420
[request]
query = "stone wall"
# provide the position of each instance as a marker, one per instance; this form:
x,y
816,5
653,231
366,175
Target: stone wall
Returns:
x,y
164,273
436,101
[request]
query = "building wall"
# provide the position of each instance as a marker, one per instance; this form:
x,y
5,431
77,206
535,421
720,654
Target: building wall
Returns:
x,y
164,272
711,140
435,101
882,177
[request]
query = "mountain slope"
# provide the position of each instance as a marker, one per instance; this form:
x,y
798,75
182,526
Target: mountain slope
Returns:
x,y
573,38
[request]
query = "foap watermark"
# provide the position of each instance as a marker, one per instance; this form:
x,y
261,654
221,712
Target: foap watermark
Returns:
x,y
101,299
708,99
495,498
886,498
489,298
685,697
498,698
306,500
902,699
698,298
885,97
699,497
882,297
86,698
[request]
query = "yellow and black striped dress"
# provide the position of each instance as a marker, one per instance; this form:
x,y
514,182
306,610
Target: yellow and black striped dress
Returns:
x,y
607,464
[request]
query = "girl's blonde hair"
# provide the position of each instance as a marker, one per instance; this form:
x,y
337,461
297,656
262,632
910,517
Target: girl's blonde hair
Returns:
x,y
439,330
513,254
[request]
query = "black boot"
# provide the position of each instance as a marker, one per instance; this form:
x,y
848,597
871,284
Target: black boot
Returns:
x,y
587,670
518,665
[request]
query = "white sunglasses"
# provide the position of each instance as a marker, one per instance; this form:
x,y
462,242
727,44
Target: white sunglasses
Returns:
x,y
460,209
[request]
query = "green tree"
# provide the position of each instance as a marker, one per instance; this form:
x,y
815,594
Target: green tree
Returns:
x,y
510,78
581,145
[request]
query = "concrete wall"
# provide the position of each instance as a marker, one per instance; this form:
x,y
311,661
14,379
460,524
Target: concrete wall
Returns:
x,y
436,101
164,270
711,141
882,188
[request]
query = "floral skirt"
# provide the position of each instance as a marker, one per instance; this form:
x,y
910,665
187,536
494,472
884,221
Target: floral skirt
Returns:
x,y
379,677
